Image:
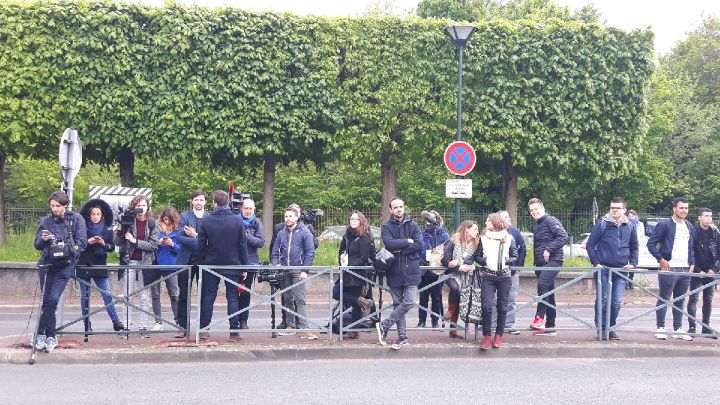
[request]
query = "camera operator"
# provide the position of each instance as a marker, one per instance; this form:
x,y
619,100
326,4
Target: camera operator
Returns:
x,y
98,222
221,241
294,247
255,240
139,242
190,222
62,238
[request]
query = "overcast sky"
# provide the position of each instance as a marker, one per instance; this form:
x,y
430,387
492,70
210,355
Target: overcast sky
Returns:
x,y
669,20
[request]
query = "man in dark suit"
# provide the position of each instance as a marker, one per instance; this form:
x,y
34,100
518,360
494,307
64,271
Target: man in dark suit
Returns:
x,y
222,241
190,222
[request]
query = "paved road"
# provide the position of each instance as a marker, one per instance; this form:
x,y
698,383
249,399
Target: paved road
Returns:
x,y
472,381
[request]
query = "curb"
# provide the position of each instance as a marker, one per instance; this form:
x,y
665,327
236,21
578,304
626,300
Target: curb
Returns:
x,y
339,352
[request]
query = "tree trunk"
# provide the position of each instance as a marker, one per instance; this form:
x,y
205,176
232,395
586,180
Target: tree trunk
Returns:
x,y
126,158
3,160
389,183
268,196
510,175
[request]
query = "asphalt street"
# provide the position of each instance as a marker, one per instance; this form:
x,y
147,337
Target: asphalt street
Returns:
x,y
417,381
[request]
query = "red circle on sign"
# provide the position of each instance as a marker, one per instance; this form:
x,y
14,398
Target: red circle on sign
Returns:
x,y
460,158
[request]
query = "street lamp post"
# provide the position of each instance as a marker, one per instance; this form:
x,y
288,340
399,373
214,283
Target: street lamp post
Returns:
x,y
460,34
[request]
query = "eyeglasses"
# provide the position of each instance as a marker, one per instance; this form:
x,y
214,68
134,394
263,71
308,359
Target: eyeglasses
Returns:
x,y
617,208
354,219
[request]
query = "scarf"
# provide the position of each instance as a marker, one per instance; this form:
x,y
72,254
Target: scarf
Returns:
x,y
463,252
248,221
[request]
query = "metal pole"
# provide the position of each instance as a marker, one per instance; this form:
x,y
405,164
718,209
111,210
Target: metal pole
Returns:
x,y
458,134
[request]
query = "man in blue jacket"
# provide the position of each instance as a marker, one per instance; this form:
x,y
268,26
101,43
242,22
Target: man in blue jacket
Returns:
x,y
222,241
401,236
613,244
190,222
255,240
294,247
671,243
515,276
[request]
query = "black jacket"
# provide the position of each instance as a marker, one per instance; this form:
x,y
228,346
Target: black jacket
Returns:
x,y
707,248
222,240
96,254
548,234
62,228
361,251
255,240
405,270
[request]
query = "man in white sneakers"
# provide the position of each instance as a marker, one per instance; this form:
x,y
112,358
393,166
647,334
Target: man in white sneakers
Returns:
x,y
671,243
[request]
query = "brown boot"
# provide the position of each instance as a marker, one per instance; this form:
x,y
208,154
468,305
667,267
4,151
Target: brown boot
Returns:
x,y
453,314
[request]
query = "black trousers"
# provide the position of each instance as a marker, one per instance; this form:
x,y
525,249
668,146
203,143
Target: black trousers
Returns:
x,y
182,313
244,296
433,294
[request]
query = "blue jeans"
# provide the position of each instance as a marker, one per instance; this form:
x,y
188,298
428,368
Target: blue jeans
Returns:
x,y
104,284
52,284
675,285
616,296
210,285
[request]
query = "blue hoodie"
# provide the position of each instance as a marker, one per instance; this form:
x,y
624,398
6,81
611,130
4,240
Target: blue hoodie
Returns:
x,y
613,245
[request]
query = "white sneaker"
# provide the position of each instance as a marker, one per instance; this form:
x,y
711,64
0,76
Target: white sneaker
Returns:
x,y
157,326
660,334
50,343
40,343
681,334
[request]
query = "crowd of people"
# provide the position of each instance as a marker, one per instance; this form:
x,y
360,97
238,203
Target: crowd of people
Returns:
x,y
493,253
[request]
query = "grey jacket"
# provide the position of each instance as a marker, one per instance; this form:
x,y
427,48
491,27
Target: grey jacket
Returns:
x,y
148,246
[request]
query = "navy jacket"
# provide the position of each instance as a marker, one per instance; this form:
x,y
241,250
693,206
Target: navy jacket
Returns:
x,y
664,235
255,240
405,270
59,228
707,248
293,248
433,236
188,245
548,234
221,239
612,245
519,244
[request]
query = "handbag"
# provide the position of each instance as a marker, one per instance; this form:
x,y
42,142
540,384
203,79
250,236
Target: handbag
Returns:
x,y
470,300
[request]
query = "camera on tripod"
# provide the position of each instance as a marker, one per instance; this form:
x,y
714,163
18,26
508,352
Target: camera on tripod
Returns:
x,y
310,215
272,277
236,198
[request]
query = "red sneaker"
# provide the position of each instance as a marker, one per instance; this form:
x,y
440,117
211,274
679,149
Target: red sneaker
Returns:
x,y
538,323
497,342
486,343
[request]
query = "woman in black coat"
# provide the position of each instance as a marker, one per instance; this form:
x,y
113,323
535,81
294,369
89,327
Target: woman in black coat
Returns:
x,y
356,249
99,221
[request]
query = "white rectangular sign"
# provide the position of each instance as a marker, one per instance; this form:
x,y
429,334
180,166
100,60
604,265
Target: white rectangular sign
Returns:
x,y
458,188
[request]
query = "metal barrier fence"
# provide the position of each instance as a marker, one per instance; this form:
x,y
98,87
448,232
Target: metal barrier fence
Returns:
x,y
661,303
223,273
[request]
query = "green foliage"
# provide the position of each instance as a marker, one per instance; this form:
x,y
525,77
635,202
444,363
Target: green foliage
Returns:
x,y
479,10
19,248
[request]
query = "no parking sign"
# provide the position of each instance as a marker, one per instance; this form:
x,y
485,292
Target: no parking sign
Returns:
x,y
460,158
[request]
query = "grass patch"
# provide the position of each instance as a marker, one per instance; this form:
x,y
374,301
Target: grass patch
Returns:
x,y
19,248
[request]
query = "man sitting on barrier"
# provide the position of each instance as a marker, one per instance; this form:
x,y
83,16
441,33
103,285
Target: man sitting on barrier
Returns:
x,y
612,243
294,247
549,237
671,243
707,260
221,241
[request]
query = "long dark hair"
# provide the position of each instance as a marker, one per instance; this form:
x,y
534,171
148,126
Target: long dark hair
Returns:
x,y
364,227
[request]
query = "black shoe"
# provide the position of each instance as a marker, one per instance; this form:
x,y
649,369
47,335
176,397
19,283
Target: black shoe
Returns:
x,y
382,333
692,330
420,324
118,326
708,332
243,325
613,336
435,324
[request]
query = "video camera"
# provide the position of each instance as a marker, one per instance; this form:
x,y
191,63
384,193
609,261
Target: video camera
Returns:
x,y
237,198
310,215
126,219
272,277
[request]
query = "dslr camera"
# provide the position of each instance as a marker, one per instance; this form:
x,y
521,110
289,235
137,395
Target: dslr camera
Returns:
x,y
272,277
126,218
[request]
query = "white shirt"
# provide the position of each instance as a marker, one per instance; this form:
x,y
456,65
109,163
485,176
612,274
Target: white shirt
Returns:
x,y
680,245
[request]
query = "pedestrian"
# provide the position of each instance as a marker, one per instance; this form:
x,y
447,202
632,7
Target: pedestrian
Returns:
x,y
642,240
459,256
222,242
61,237
672,244
98,224
139,242
549,237
434,235
294,247
276,229
356,249
255,240
190,222
514,276
612,244
706,240
499,253
401,236
167,253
